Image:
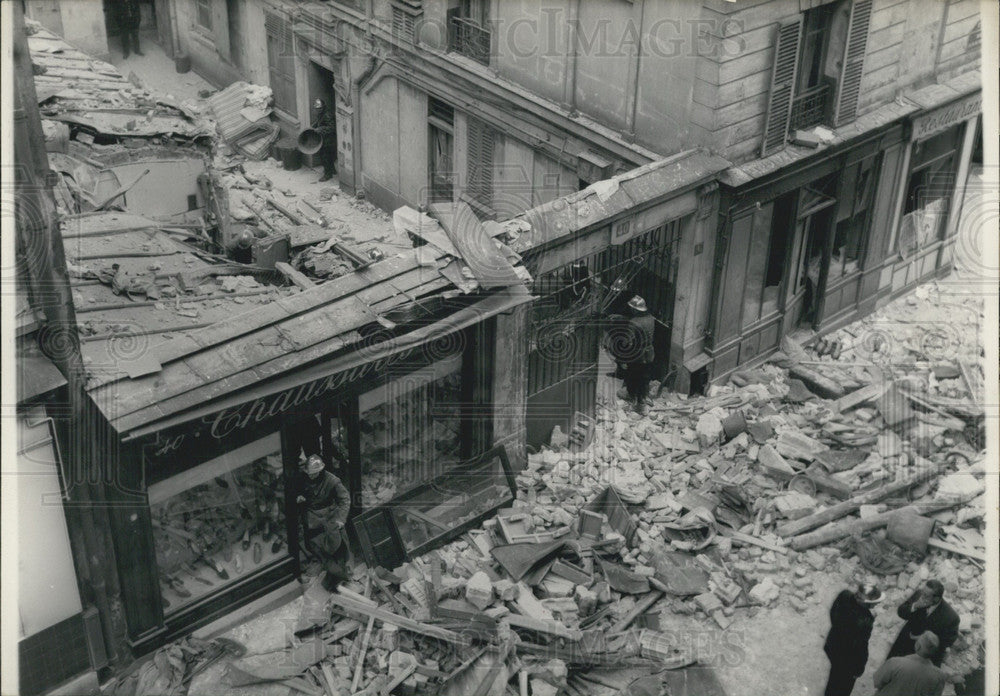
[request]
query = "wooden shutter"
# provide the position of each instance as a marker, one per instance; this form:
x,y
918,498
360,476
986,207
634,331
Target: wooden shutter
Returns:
x,y
404,18
854,60
220,27
779,103
480,143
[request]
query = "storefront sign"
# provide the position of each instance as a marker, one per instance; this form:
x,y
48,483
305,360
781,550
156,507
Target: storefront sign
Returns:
x,y
233,419
947,116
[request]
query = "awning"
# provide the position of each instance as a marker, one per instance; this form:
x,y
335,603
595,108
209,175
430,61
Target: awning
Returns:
x,y
140,424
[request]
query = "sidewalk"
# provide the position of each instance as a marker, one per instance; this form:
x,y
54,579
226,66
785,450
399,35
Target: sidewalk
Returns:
x,y
156,69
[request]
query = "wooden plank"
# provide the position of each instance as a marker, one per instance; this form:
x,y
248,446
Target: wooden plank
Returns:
x,y
375,612
302,331
488,265
360,667
549,627
857,397
955,548
748,539
640,608
298,278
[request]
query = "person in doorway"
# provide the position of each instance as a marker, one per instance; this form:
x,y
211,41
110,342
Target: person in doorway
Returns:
x,y
323,504
326,125
846,645
913,675
926,610
129,19
641,325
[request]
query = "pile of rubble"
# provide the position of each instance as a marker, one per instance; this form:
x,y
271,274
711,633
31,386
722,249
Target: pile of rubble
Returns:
x,y
711,508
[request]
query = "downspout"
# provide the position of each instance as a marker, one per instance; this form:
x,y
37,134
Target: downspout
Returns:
x,y
175,38
569,87
632,90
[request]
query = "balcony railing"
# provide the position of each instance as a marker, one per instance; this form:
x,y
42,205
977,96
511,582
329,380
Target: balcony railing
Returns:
x,y
810,107
470,39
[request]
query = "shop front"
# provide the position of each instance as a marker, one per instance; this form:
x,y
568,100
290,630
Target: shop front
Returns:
x,y
201,512
941,145
795,251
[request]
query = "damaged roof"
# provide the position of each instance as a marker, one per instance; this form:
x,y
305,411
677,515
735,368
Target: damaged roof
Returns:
x,y
168,327
606,199
93,95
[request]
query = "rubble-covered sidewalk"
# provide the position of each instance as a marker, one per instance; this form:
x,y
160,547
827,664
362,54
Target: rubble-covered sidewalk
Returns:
x,y
699,545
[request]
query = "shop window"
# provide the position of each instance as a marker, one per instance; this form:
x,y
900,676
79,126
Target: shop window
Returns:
x,y
928,193
203,14
410,430
852,224
218,522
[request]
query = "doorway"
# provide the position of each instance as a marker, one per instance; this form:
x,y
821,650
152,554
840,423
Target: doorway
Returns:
x,y
321,86
810,258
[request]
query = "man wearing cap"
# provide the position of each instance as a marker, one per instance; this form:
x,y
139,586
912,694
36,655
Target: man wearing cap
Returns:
x,y
323,503
325,124
851,622
641,325
913,675
926,610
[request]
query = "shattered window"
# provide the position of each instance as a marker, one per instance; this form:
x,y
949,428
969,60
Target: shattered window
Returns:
x,y
219,521
410,430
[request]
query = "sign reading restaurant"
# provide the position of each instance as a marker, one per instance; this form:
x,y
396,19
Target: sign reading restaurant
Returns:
x,y
947,116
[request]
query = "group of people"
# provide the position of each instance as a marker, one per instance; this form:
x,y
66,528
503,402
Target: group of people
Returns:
x,y
913,666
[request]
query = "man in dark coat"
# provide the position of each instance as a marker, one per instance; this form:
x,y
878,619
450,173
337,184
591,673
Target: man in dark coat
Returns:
x,y
325,124
640,361
323,503
926,610
129,19
851,622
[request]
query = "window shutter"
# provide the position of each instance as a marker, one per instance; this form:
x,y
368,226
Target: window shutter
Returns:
x,y
854,60
481,141
404,18
779,104
281,30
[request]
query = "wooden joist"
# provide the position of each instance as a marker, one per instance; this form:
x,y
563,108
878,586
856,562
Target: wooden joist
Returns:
x,y
375,612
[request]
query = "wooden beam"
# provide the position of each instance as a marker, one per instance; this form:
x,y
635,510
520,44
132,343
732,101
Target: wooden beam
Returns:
x,y
376,612
298,278
835,512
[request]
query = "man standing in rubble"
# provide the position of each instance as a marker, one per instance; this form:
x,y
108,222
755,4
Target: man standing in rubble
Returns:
x,y
323,504
926,610
846,645
325,124
913,675
129,19
640,362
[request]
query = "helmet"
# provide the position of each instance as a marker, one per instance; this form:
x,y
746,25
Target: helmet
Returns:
x,y
312,465
319,104
637,304
869,593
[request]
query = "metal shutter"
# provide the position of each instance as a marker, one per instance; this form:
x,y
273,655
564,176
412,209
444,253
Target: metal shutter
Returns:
x,y
779,105
481,141
854,60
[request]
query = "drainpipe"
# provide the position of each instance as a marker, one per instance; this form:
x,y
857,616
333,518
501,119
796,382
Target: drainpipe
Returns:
x,y
175,39
632,89
569,85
